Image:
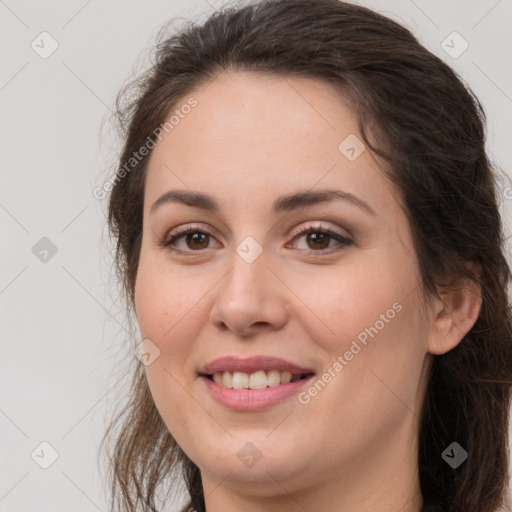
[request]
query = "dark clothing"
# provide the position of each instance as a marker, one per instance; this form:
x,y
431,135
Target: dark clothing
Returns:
x,y
430,507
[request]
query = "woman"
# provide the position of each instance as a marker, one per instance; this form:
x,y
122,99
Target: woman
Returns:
x,y
308,232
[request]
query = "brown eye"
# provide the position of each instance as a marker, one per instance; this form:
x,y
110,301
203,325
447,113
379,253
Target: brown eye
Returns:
x,y
192,239
196,240
188,240
318,238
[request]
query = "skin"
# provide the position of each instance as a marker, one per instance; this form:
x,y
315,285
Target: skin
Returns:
x,y
250,139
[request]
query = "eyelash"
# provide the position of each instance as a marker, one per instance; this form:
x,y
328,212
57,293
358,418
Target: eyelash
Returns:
x,y
168,240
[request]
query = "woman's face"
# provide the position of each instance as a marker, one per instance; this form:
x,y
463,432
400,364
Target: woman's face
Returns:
x,y
267,150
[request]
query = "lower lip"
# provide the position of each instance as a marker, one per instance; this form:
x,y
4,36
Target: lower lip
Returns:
x,y
253,399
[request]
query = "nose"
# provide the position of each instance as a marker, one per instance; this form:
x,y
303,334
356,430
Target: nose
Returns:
x,y
250,299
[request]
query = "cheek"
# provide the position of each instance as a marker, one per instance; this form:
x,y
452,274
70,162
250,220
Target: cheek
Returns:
x,y
376,359
170,312
348,308
166,316
375,325
160,300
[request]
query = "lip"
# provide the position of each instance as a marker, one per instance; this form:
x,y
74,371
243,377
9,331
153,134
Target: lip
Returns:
x,y
252,399
250,365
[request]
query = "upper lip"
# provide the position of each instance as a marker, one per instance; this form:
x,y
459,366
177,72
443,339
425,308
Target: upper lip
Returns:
x,y
250,365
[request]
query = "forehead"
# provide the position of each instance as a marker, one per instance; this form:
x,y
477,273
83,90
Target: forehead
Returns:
x,y
254,136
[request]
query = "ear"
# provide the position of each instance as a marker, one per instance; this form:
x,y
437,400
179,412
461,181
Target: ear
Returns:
x,y
455,315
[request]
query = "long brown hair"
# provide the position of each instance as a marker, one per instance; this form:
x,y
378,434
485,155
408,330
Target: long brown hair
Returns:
x,y
416,114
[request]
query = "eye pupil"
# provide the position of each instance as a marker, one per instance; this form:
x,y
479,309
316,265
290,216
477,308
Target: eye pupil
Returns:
x,y
195,236
319,237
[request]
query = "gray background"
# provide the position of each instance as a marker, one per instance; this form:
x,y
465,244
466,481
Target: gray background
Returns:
x,y
63,326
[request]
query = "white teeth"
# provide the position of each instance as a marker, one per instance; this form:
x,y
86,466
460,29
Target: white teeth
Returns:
x,y
227,379
286,377
240,380
274,378
256,380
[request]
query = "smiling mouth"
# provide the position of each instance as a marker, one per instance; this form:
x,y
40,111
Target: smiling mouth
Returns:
x,y
260,379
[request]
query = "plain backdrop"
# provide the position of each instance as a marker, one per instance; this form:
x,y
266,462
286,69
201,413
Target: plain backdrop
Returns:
x,y
63,329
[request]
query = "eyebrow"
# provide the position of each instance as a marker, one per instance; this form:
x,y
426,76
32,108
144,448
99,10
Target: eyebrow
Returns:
x,y
291,202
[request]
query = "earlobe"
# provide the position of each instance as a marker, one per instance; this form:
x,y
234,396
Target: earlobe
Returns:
x,y
455,316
